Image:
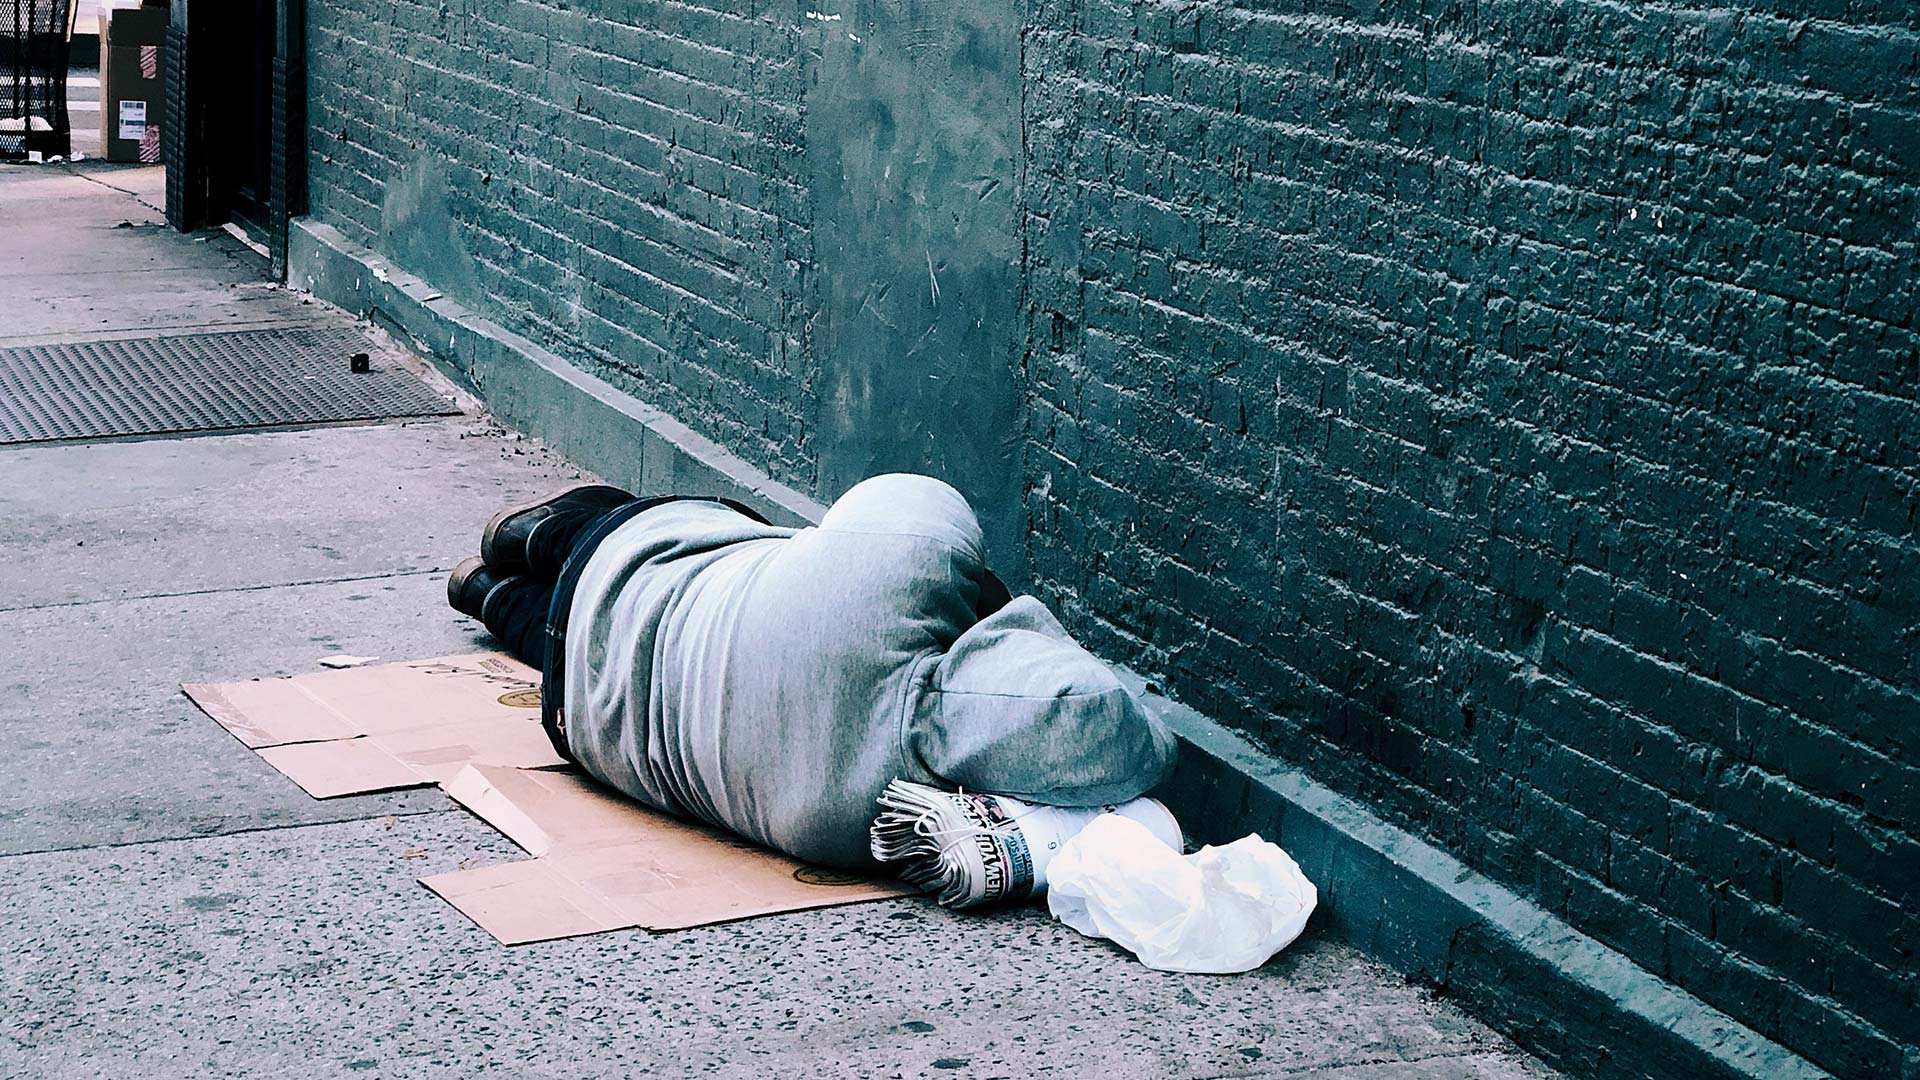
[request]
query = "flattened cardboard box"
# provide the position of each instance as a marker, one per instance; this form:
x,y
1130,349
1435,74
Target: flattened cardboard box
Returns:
x,y
604,862
355,730
472,725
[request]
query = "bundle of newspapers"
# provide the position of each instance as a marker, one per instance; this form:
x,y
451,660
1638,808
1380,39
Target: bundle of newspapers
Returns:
x,y
971,849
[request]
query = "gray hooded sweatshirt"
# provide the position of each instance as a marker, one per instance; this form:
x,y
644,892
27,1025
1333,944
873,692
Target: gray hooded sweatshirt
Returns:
x,y
772,681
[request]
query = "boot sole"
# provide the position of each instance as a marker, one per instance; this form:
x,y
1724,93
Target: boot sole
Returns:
x,y
457,580
490,536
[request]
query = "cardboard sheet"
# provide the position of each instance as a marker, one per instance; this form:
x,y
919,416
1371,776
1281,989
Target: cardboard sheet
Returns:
x,y
604,862
472,725
355,730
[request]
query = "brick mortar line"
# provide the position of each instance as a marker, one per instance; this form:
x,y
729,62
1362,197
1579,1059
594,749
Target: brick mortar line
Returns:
x,y
701,259
1376,320
1329,474
1239,225
1443,226
1630,126
1478,172
751,285
556,333
1828,803
1628,585
795,190
1333,473
694,256
1824,938
1652,468
1546,69
624,364
1514,660
558,9
1632,14
548,376
734,94
547,105
1540,436
556,236
415,61
1651,652
1338,254
1388,779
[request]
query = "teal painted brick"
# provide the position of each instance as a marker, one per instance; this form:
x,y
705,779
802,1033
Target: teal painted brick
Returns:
x,y
625,182
1556,373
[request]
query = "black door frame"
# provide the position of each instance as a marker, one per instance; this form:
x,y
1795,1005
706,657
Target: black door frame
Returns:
x,y
198,164
288,196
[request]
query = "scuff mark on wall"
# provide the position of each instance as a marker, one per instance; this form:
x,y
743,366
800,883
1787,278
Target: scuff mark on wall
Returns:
x,y
911,139
418,232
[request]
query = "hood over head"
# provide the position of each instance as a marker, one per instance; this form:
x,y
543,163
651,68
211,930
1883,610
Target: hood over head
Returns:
x,y
1016,707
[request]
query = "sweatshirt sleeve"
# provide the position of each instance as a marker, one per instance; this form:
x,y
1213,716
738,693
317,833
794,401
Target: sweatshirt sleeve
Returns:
x,y
1016,707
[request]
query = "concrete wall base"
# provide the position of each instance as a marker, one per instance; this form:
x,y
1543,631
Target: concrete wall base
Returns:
x,y
615,434
1559,993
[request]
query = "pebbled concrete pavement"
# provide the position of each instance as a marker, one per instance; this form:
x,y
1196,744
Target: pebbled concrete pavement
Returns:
x,y
170,907
311,952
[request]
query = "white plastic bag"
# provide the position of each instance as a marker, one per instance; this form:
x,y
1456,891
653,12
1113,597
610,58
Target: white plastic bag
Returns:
x,y
1218,911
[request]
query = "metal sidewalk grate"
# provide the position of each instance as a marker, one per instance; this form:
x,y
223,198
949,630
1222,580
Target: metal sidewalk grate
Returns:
x,y
200,382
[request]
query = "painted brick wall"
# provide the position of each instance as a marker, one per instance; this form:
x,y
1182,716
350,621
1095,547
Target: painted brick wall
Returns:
x,y
1510,411
792,229
624,182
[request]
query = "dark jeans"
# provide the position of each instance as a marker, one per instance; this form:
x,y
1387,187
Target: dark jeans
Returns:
x,y
516,612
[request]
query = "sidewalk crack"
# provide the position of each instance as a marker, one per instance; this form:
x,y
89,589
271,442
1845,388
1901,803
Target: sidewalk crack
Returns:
x,y
159,840
134,195
227,589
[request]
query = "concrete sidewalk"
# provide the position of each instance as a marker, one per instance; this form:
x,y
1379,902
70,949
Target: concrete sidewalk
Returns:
x,y
170,906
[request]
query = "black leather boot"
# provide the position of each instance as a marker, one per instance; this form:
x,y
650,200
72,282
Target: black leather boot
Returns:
x,y
469,584
503,546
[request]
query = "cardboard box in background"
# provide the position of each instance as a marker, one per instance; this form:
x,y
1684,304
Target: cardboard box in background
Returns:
x,y
132,82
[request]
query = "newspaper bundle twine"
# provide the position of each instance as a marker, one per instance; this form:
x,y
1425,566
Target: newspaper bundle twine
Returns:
x,y
971,849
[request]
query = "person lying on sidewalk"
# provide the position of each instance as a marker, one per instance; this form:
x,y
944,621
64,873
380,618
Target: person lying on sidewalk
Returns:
x,y
772,681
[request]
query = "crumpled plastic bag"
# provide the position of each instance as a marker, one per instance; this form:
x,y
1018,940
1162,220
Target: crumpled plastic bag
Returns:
x,y
1219,911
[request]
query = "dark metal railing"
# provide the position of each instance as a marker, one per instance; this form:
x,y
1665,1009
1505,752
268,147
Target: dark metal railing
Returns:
x,y
35,38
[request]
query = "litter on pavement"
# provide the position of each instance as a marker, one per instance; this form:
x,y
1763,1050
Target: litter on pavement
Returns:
x,y
342,660
1218,911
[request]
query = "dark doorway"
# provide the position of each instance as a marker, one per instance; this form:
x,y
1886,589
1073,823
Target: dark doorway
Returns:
x,y
242,125
237,111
